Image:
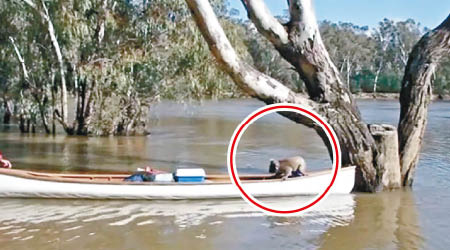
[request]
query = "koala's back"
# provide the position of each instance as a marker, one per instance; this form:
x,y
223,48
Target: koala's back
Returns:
x,y
296,162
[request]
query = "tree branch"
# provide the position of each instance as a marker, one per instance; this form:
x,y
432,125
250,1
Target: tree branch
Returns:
x,y
51,31
304,49
269,26
416,93
30,3
63,123
306,52
21,60
249,79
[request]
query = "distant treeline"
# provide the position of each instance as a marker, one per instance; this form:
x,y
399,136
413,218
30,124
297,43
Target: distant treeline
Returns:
x,y
94,67
374,60
370,60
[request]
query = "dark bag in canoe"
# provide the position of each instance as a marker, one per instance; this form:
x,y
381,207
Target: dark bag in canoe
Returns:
x,y
140,177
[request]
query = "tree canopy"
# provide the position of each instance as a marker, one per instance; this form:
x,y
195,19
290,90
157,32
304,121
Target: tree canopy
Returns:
x,y
120,56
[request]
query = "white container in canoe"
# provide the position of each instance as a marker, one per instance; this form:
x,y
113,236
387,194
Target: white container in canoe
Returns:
x,y
32,184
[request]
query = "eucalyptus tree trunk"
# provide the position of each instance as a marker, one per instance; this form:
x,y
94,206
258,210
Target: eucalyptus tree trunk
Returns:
x,y
20,58
300,43
348,73
8,112
83,89
39,95
377,74
416,93
52,34
53,96
42,103
23,114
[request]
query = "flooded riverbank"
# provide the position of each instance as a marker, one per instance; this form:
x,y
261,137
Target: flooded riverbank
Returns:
x,y
198,135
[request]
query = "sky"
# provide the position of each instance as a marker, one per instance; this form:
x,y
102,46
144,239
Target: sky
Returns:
x,y
429,13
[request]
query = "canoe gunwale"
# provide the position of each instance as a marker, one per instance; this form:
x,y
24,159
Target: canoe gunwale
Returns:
x,y
117,179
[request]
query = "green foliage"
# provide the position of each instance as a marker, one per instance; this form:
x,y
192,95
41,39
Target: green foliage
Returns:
x,y
120,56
442,81
366,57
389,83
267,60
363,81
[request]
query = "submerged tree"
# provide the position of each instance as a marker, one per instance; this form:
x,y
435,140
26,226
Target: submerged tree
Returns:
x,y
372,148
93,67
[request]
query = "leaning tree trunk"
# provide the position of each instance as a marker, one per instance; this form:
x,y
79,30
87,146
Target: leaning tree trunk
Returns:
x,y
300,43
416,93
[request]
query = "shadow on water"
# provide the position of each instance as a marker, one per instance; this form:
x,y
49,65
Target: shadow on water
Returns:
x,y
381,221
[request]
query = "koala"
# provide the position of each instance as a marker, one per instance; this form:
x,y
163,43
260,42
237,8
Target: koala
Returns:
x,y
292,166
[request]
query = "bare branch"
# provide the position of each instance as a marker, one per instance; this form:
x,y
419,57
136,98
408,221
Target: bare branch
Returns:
x,y
51,31
303,11
269,26
306,52
21,60
249,79
304,48
30,3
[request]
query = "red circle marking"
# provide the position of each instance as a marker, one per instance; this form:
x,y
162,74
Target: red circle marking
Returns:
x,y
303,111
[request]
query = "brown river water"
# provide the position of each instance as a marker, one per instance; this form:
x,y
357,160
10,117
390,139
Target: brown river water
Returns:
x,y
197,135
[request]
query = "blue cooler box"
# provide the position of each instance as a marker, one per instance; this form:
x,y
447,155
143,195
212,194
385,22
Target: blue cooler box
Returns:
x,y
189,175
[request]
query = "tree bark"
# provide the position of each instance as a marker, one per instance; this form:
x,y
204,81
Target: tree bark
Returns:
x,y
36,93
348,73
22,120
20,58
8,112
100,30
377,74
248,78
53,95
300,43
388,159
380,67
416,93
51,32
42,102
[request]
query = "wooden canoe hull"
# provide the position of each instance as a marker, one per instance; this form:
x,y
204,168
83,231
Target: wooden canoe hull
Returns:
x,y
19,184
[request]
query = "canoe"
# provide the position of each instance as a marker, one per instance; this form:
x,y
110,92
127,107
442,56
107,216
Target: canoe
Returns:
x,y
34,184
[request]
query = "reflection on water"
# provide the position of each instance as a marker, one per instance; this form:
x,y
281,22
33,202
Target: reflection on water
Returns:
x,y
185,213
384,221
67,222
198,135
